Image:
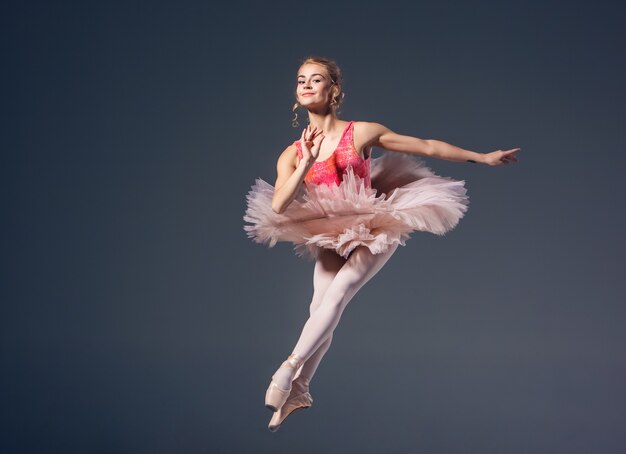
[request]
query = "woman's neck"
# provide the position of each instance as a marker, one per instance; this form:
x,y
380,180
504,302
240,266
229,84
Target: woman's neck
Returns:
x,y
327,122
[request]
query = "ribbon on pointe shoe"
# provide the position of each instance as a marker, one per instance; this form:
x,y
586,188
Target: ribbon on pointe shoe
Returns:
x,y
293,361
276,397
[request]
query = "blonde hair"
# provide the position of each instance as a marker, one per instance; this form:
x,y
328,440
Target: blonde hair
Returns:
x,y
336,78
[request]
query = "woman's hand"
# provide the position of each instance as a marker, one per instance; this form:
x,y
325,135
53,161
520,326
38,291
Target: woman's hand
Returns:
x,y
310,142
499,157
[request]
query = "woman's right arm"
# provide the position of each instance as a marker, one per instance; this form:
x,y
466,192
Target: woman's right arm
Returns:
x,y
289,178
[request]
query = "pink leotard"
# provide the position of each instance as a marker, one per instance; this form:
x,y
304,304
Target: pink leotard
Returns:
x,y
330,171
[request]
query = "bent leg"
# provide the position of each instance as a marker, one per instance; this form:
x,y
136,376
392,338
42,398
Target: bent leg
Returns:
x,y
360,267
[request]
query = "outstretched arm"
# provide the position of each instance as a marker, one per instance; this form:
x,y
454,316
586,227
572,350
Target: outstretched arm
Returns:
x,y
381,136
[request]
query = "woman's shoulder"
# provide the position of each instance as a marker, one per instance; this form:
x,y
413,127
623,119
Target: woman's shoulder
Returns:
x,y
366,133
367,129
367,125
289,154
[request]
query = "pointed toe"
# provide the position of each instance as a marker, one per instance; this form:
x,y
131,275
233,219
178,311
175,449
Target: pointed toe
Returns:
x,y
291,405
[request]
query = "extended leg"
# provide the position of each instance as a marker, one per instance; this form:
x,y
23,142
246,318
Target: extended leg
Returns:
x,y
327,266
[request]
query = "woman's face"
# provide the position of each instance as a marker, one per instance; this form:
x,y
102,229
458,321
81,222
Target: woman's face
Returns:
x,y
314,86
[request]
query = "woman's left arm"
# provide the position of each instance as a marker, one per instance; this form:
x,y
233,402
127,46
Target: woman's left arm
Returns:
x,y
380,136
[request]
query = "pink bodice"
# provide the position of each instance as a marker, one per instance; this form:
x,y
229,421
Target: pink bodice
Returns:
x,y
330,171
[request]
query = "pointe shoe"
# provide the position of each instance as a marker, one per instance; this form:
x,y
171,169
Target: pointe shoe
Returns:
x,y
299,399
275,397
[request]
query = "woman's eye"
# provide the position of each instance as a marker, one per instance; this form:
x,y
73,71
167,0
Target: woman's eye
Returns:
x,y
314,80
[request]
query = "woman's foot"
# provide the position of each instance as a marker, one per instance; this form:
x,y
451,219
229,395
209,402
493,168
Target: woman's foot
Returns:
x,y
298,399
280,386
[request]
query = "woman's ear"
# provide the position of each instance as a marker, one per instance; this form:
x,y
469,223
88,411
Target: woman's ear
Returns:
x,y
335,93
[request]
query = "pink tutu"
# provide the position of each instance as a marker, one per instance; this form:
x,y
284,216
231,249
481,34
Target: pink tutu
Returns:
x,y
405,196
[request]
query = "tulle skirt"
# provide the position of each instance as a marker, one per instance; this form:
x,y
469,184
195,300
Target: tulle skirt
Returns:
x,y
406,196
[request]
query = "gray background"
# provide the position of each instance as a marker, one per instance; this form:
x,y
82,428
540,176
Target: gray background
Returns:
x,y
138,317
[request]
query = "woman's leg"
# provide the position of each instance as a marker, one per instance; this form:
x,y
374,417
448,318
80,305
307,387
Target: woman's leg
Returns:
x,y
326,267
360,267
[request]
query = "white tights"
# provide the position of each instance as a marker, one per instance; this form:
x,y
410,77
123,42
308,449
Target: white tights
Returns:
x,y
335,281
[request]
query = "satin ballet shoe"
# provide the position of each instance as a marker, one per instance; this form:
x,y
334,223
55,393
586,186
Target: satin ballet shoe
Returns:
x,y
275,397
299,399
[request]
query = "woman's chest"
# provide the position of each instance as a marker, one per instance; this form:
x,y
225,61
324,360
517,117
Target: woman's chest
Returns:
x,y
332,169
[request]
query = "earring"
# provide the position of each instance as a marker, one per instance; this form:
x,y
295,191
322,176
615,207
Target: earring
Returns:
x,y
294,120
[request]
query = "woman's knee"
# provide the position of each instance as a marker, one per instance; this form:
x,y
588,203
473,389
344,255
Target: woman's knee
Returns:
x,y
314,306
337,297
317,300
359,269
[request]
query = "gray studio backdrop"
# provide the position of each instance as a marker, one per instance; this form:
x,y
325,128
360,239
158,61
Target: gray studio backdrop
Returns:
x,y
138,317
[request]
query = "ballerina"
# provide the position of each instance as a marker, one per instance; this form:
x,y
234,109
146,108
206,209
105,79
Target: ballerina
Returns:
x,y
347,211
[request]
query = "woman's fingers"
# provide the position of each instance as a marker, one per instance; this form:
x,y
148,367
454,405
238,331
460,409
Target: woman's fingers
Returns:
x,y
311,139
310,132
506,157
318,140
510,154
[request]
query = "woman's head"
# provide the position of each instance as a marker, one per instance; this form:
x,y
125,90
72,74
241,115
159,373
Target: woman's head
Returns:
x,y
319,84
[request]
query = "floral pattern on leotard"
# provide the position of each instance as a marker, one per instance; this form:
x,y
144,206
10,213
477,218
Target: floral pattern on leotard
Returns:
x,y
331,170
